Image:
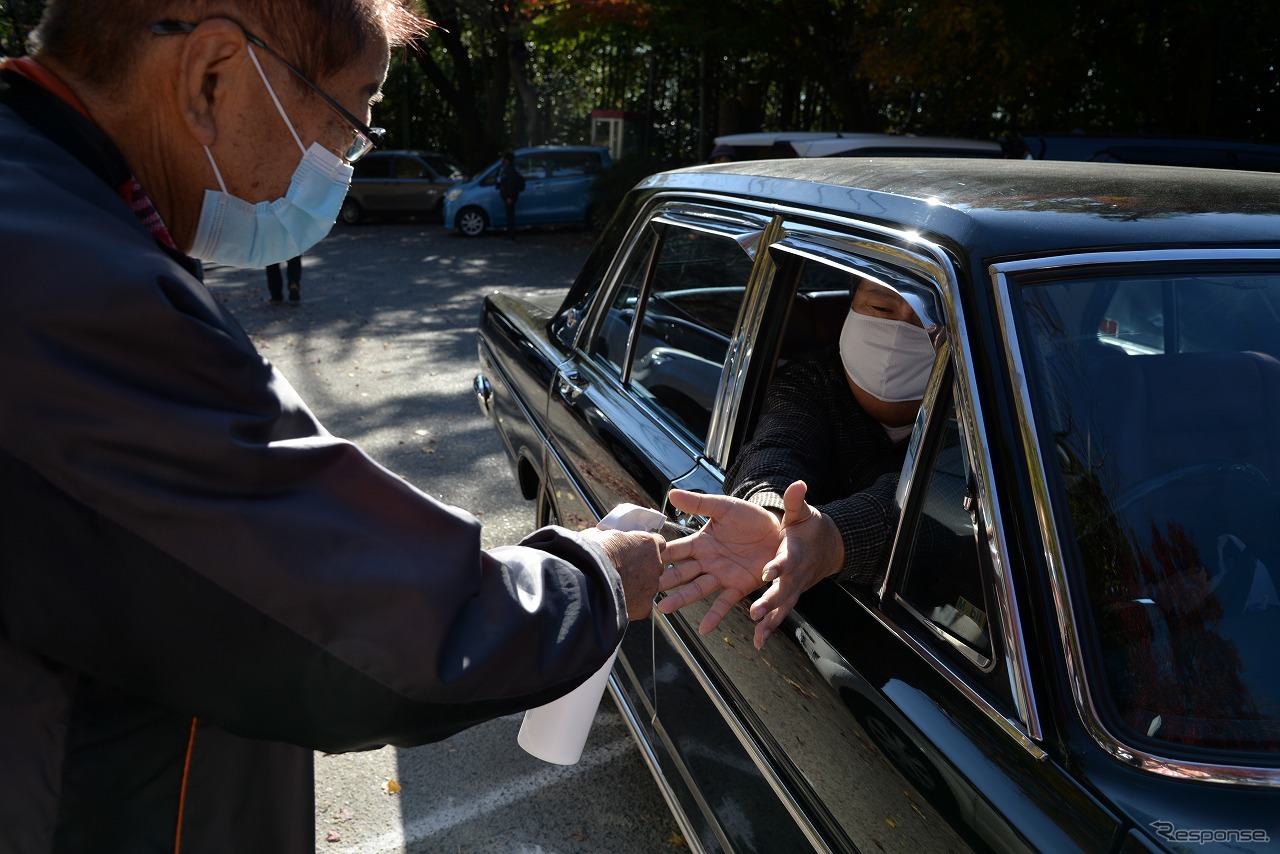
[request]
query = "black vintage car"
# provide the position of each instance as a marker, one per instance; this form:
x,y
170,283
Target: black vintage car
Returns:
x,y
1100,442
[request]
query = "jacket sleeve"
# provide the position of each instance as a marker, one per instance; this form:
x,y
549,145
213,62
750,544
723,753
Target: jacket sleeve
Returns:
x,y
792,441
866,521
178,524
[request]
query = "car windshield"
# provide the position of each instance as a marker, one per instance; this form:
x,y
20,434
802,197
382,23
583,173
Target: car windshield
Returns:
x,y
1161,395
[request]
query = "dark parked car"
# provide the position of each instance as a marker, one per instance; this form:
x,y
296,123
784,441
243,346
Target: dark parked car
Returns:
x,y
400,183
1074,644
1151,150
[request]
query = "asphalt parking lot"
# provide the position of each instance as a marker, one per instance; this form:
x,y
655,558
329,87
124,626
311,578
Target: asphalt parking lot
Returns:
x,y
382,347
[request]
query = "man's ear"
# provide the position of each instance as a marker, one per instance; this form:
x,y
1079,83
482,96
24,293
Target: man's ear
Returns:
x,y
211,57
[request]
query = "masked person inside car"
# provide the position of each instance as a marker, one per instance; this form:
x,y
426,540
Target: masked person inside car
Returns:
x,y
812,495
200,586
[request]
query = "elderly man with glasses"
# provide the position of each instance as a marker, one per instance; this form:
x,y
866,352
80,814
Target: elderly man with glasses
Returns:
x,y
199,585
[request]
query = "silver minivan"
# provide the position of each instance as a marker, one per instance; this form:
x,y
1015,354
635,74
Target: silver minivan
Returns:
x,y
399,182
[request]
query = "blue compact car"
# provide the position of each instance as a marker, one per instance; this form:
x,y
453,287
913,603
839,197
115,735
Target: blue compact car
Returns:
x,y
558,184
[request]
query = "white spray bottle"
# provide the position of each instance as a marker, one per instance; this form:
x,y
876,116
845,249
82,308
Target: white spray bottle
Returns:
x,y
558,731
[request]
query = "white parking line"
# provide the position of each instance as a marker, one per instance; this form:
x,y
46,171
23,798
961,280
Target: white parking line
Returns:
x,y
452,816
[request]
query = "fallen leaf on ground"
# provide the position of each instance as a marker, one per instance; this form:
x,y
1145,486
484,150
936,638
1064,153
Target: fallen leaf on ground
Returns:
x,y
390,787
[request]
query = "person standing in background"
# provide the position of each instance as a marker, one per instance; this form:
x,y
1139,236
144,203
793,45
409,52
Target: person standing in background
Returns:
x,y
721,154
510,185
274,283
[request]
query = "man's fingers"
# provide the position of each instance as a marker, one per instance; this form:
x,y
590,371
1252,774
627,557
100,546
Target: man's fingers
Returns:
x,y
676,574
700,503
769,624
679,550
765,603
780,565
691,502
703,585
795,508
723,605
779,595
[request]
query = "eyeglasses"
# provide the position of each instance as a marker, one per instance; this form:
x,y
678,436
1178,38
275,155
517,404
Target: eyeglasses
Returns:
x,y
366,138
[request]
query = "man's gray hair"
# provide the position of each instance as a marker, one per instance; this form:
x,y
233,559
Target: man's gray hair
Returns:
x,y
100,42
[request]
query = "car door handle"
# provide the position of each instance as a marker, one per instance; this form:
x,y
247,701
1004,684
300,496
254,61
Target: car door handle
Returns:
x,y
571,385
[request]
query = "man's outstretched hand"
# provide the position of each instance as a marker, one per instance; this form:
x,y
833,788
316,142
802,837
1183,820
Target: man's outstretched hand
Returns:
x,y
727,555
742,548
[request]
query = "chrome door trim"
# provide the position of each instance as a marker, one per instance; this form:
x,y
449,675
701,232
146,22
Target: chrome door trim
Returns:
x,y
647,753
733,378
1069,630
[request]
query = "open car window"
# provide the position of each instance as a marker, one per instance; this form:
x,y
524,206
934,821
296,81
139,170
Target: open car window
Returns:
x,y
1162,398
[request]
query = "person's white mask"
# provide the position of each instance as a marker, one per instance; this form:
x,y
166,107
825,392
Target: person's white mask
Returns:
x,y
234,232
889,359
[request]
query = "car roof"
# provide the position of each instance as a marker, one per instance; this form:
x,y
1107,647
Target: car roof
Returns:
x,y
1006,207
855,141
420,152
536,148
767,138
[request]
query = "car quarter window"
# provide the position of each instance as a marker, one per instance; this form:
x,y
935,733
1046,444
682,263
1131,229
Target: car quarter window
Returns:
x,y
671,317
944,586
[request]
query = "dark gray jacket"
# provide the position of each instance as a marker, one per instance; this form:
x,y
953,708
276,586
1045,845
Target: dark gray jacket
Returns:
x,y
198,584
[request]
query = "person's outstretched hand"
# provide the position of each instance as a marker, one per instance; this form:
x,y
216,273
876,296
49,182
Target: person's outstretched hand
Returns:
x,y
811,550
744,547
728,555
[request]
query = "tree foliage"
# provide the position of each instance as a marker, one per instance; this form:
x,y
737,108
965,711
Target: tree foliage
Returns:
x,y
499,73
17,19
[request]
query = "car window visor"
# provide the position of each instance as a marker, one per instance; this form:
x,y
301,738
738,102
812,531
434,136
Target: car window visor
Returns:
x,y
747,232
922,298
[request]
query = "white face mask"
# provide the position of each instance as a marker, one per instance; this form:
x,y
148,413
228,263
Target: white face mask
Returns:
x,y
234,232
889,359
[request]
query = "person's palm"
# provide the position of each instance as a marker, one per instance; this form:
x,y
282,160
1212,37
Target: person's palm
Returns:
x,y
727,555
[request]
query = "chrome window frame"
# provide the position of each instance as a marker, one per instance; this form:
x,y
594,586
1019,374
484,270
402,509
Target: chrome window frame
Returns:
x,y
1069,630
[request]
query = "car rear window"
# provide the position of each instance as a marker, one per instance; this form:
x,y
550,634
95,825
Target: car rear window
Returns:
x,y
1161,395
670,321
